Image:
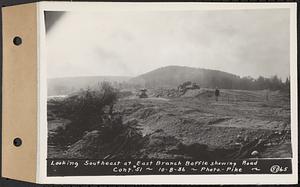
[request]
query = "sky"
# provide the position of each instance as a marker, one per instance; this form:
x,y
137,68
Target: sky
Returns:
x,y
242,42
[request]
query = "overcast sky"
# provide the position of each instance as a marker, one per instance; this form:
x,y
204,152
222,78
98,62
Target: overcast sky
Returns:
x,y
242,42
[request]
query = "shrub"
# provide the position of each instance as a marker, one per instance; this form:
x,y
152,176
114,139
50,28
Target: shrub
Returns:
x,y
88,110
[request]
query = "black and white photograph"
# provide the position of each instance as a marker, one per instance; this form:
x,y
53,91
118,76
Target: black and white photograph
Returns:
x,y
169,86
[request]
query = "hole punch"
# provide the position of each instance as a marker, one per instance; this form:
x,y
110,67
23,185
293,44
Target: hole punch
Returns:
x,y
17,142
17,40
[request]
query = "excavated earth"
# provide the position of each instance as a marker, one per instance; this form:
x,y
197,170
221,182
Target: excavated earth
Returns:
x,y
196,118
241,124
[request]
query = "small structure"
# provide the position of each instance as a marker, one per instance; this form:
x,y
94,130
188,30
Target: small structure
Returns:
x,y
143,93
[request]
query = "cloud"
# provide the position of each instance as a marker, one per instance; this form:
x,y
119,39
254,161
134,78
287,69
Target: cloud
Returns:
x,y
243,42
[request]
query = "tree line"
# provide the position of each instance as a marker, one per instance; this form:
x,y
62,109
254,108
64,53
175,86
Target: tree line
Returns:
x,y
249,83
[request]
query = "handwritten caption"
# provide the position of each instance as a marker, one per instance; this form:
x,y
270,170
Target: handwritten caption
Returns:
x,y
160,166
97,167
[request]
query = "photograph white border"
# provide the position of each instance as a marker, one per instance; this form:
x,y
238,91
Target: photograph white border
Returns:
x,y
160,179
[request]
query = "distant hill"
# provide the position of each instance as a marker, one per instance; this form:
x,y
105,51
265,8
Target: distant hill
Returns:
x,y
172,76
66,85
169,76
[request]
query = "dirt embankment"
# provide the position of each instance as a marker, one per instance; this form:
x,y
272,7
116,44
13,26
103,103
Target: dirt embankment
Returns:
x,y
242,124
239,118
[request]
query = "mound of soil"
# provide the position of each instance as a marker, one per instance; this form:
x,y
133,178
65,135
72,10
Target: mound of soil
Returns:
x,y
166,92
158,144
240,125
200,93
86,147
95,144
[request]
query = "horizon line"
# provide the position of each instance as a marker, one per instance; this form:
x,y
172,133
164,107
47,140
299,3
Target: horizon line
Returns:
x,y
240,76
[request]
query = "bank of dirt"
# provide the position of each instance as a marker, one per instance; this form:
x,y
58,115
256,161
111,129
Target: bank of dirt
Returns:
x,y
241,124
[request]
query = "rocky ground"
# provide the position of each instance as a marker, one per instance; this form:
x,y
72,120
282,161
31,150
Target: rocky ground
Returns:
x,y
241,124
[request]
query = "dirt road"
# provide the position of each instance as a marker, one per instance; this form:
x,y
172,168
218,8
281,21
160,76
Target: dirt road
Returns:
x,y
241,124
196,117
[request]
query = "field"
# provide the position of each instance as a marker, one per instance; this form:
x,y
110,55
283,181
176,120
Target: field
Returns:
x,y
241,124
